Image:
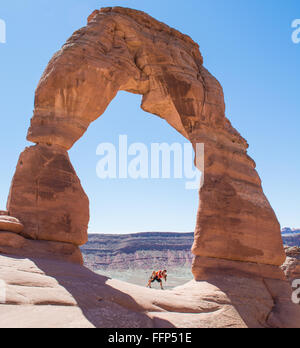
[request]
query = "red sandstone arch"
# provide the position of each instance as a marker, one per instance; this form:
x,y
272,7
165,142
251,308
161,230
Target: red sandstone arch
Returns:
x,y
123,49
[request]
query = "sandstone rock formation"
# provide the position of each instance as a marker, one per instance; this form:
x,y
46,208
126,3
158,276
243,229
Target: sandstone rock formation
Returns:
x,y
47,197
11,224
124,49
14,244
291,267
43,293
238,245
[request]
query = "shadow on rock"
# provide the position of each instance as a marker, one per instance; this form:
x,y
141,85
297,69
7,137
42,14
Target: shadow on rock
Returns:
x,y
101,304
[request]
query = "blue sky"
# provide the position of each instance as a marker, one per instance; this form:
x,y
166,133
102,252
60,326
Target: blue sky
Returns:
x,y
246,44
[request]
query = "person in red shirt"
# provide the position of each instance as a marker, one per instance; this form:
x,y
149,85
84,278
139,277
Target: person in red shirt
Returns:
x,y
157,276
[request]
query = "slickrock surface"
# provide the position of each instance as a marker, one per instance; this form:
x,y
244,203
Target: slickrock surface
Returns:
x,y
124,49
43,293
12,243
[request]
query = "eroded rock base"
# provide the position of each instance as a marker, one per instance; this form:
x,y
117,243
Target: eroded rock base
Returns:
x,y
256,289
14,244
44,293
47,197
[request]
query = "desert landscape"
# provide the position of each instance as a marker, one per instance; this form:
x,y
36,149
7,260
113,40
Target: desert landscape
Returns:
x,y
133,257
234,271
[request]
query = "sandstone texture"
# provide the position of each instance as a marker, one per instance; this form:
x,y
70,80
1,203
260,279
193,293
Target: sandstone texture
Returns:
x,y
238,246
46,195
291,267
43,293
9,223
14,244
124,49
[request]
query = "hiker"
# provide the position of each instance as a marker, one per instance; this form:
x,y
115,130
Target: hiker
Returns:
x,y
158,276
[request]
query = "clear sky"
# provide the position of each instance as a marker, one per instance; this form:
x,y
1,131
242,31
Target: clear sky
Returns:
x,y
247,45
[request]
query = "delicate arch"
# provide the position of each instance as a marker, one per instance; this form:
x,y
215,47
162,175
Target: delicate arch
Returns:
x,y
123,49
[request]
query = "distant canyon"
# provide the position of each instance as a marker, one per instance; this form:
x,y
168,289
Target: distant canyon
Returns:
x,y
149,250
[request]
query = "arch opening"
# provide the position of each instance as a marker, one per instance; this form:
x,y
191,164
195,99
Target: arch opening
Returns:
x,y
125,127
127,50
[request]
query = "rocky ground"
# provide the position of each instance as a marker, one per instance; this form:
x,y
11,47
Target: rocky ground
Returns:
x,y
291,267
47,293
177,276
